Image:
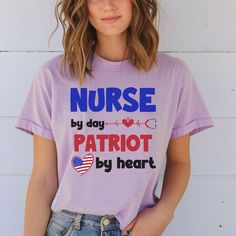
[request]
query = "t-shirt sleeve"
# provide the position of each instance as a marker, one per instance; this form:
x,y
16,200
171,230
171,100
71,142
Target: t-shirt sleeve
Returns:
x,y
192,115
35,116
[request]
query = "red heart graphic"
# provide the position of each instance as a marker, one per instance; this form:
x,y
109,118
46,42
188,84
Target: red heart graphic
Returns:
x,y
128,122
82,165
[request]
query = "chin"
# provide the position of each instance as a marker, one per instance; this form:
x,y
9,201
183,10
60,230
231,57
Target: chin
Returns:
x,y
113,32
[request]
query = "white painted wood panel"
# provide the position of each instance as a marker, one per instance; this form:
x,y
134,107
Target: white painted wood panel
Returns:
x,y
17,72
26,25
204,25
13,194
208,208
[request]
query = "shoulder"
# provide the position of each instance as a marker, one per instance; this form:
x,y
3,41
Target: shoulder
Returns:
x,y
174,66
48,70
52,63
172,62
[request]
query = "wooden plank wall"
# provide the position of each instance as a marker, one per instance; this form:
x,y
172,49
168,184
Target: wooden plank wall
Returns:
x,y
202,33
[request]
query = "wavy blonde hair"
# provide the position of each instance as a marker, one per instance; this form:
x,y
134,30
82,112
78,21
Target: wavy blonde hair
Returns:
x,y
79,36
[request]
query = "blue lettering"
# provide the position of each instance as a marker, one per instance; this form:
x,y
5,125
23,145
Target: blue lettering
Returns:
x,y
144,99
112,98
92,98
133,102
109,98
76,99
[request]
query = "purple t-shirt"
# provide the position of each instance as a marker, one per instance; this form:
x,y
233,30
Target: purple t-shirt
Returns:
x,y
112,133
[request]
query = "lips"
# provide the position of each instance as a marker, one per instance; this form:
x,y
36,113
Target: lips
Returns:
x,y
111,17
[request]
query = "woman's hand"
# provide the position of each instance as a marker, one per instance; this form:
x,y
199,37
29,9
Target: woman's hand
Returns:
x,y
151,221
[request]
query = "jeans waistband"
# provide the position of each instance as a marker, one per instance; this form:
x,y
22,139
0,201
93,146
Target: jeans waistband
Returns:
x,y
96,219
101,222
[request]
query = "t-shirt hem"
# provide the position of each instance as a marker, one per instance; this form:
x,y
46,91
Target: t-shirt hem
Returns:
x,y
193,127
30,128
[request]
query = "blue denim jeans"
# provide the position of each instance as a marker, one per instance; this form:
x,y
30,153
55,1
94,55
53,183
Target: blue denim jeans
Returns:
x,y
69,223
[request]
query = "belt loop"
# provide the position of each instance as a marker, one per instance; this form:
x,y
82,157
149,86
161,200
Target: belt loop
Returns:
x,y
101,224
77,221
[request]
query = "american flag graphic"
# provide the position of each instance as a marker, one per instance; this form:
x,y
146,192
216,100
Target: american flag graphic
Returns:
x,y
82,165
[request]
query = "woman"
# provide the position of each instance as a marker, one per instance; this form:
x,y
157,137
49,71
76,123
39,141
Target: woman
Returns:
x,y
100,143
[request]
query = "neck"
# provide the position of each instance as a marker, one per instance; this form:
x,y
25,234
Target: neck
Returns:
x,y
112,47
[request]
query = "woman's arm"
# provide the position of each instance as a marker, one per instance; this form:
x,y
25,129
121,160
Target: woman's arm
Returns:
x,y
42,187
153,221
177,173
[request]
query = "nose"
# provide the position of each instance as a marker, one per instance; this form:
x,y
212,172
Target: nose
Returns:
x,y
108,5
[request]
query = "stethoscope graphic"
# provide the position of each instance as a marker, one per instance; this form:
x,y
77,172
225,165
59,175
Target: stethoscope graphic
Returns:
x,y
149,123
